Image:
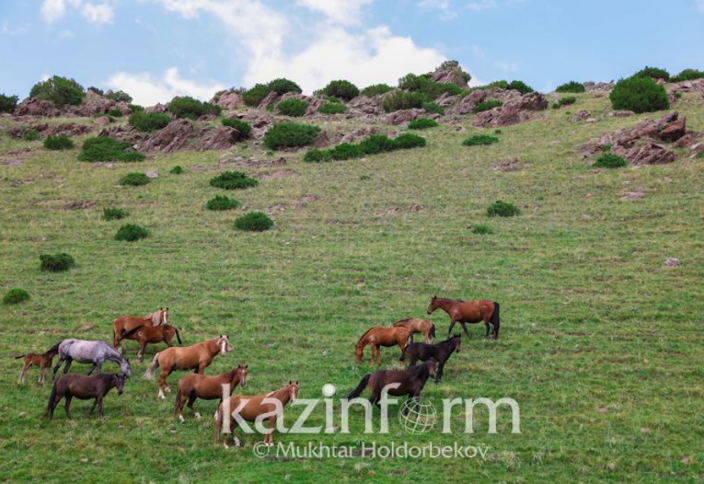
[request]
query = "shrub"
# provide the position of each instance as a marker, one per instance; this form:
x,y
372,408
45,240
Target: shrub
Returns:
x,y
282,86
376,90
314,155
341,89
233,180
427,86
243,127
482,229
408,141
103,148
480,140
119,96
131,232
487,105
8,104
346,151
56,262
398,100
255,95
688,75
290,135
422,123
96,90
653,73
292,107
15,296
639,94
177,170
520,86
254,222
431,107
332,108
222,203
564,101
502,209
115,113
57,143
114,213
377,143
135,108
610,160
134,180
572,86
148,122
31,135
188,107
59,90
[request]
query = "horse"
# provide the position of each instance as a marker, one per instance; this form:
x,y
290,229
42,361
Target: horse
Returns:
x,y
440,352
43,361
154,334
378,336
469,312
253,407
191,387
197,357
84,351
411,380
123,324
422,326
83,387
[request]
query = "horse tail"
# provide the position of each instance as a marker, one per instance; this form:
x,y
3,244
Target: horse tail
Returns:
x,y
496,319
178,336
149,374
19,356
360,388
129,333
55,348
403,354
432,331
52,396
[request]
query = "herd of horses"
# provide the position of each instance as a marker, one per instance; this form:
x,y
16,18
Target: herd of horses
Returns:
x,y
155,328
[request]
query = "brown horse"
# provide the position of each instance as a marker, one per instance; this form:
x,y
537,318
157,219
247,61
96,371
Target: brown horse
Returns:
x,y
43,361
469,312
123,324
411,380
83,387
378,336
197,357
422,326
191,387
153,335
252,408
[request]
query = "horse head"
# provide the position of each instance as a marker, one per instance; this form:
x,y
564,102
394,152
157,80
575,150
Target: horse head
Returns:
x,y
242,374
125,367
358,353
458,341
119,381
224,344
161,317
293,389
431,365
434,303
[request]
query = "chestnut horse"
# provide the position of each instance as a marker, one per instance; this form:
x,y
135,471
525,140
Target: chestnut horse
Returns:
x,y
191,387
83,387
378,336
253,407
422,326
153,334
468,312
43,361
123,324
197,357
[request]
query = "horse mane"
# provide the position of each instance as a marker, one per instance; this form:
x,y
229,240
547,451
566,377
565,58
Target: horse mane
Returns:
x,y
414,371
365,333
449,339
155,317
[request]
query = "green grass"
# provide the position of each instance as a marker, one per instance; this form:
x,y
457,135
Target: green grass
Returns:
x,y
600,345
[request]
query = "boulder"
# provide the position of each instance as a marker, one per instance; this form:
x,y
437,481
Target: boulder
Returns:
x,y
673,130
533,101
451,74
174,137
580,116
513,112
157,108
403,116
36,107
598,86
325,139
93,103
466,105
267,100
220,138
102,121
68,129
228,100
645,152
362,105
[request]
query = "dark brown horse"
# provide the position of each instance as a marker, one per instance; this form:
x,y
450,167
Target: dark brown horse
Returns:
x,y
440,352
153,334
468,312
378,336
43,361
191,387
83,387
411,380
124,324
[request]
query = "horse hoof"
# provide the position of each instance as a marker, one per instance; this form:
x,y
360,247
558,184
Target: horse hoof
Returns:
x,y
198,415
181,419
168,389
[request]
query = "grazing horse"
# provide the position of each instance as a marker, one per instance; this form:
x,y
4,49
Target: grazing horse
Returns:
x,y
411,380
422,326
378,336
154,334
197,357
84,351
83,387
468,312
253,407
123,324
440,352
43,361
191,387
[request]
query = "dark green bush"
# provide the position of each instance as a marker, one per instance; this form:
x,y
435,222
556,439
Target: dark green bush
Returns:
x,y
134,180
564,101
688,75
148,122
96,90
254,222
572,86
376,90
346,151
422,123
480,140
398,100
135,108
255,95
292,107
243,127
520,86
31,135
332,108
502,209
222,203
115,113
653,73
15,296
639,94
314,155
8,104
188,107
233,180
377,143
59,90
341,89
374,144
482,229
56,262
431,107
431,89
290,135
114,213
407,141
131,233
58,143
282,86
177,170
610,160
487,105
119,96
103,148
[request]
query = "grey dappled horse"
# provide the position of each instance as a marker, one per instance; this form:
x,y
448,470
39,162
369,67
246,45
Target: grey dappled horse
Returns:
x,y
84,351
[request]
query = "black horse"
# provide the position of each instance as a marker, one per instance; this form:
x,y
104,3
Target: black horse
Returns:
x,y
440,352
83,387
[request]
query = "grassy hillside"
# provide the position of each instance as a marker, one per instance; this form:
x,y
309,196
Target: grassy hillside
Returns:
x,y
601,345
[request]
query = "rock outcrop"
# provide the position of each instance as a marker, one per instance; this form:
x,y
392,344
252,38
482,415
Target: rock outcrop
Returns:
x,y
228,100
514,112
37,107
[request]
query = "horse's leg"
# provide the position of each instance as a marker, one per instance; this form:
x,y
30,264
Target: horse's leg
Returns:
x,y
233,427
100,406
191,400
100,367
67,405
142,347
486,323
56,368
92,407
92,369
162,382
52,405
269,438
69,360
438,373
464,327
452,325
414,360
24,372
42,374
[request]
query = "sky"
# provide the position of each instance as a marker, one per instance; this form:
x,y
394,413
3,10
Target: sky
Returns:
x,y
157,49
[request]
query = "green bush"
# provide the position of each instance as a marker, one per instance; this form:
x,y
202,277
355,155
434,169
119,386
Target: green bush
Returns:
x,y
255,95
520,86
119,96
376,90
431,89
398,100
332,108
114,213
31,135
482,229
131,233
346,151
243,127
254,222
407,141
8,104
57,143
222,203
56,262
688,75
374,144
59,90
115,113
314,155
610,160
377,143
134,180
431,107
341,89
233,180
487,105
96,90
177,170
422,123
282,86
15,296
290,135
135,108
103,148
653,73
639,94
502,209
188,107
564,101
292,107
480,140
572,86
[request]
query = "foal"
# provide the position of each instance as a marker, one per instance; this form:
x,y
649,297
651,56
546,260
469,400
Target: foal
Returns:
x,y
378,336
411,382
191,387
124,324
153,335
43,361
440,352
83,387
422,326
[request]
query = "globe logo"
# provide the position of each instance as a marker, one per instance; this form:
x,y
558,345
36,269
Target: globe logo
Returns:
x,y
417,417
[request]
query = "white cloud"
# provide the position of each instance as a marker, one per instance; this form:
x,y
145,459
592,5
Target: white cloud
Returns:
x,y
345,12
147,90
98,14
444,6
53,10
19,30
481,5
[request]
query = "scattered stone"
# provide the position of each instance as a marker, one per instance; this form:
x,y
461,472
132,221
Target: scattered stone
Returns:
x,y
102,121
622,114
671,262
598,86
637,194
79,205
152,174
325,139
582,115
512,164
68,129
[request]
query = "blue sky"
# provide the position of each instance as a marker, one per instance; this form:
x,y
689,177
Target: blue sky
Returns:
x,y
155,49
